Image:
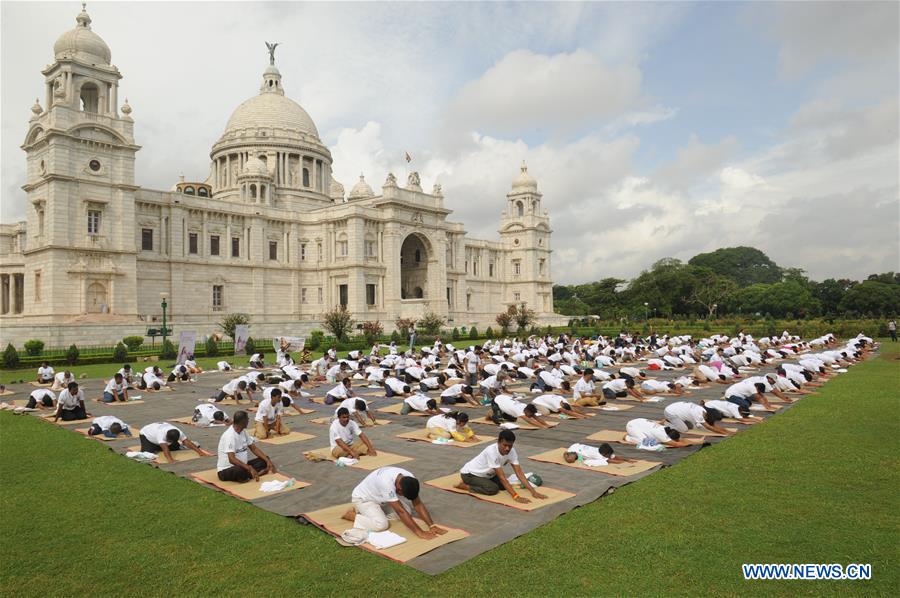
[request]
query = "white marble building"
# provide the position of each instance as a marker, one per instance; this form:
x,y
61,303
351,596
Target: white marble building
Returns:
x,y
269,232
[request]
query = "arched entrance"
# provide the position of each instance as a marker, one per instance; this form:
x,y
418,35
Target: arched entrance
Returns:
x,y
413,268
96,301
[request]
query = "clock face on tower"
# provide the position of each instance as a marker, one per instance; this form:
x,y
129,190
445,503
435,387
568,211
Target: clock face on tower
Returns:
x,y
94,165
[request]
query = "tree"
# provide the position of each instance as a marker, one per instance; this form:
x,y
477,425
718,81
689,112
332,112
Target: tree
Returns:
x,y
404,326
504,320
133,342
168,350
212,347
72,354
338,322
830,293
524,317
34,347
871,296
745,265
10,357
372,330
120,353
713,292
431,323
231,321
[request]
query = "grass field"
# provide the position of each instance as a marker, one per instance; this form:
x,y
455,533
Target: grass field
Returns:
x,y
817,484
105,370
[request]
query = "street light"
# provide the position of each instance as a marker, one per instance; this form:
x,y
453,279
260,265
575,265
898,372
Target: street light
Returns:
x,y
646,311
164,331
715,306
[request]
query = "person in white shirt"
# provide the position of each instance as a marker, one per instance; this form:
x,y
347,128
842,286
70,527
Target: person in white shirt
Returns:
x,y
269,415
387,486
430,382
356,407
505,408
620,388
336,372
165,438
657,387
224,366
592,456
493,385
421,404
632,372
585,394
235,389
61,380
729,409
116,390
473,365
179,372
395,387
485,475
641,430
108,426
45,374
458,393
347,439
192,366
41,398
70,404
234,463
127,374
555,403
152,380
258,361
453,425
684,416
340,392
747,392
207,415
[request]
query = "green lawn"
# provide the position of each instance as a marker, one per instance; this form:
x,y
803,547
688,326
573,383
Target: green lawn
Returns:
x,y
105,370
817,484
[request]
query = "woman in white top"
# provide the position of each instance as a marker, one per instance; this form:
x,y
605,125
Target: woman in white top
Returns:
x,y
453,425
421,404
641,430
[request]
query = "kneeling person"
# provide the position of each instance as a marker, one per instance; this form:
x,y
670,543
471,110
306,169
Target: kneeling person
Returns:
x,y
234,463
108,426
484,474
347,439
165,438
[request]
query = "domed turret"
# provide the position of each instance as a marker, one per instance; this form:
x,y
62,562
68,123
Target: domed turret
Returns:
x,y
82,44
255,167
361,189
524,182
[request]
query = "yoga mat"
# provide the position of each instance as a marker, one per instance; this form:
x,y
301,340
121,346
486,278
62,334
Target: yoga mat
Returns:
x,y
287,438
293,413
613,407
40,385
180,455
248,490
120,403
395,410
49,418
163,389
189,421
326,421
102,437
746,422
705,432
329,519
617,469
230,401
522,425
422,436
560,415
7,392
366,462
448,482
619,437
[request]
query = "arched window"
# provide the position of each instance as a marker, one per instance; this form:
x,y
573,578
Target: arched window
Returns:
x,y
96,299
534,208
90,98
202,192
520,208
418,256
418,293
306,177
188,190
262,191
252,191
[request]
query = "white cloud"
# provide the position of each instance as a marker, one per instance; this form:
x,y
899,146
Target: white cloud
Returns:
x,y
695,162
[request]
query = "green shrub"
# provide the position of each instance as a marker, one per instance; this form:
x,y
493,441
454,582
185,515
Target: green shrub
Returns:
x,y
133,342
229,322
473,333
371,331
338,321
212,347
34,347
315,340
72,354
430,324
250,347
395,337
168,350
489,333
120,353
455,334
10,357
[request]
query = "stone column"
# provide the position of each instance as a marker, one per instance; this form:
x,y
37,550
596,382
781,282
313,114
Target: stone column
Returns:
x,y
4,293
19,293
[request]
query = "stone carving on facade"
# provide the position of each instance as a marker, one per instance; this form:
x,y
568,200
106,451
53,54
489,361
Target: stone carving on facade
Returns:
x,y
413,182
418,218
437,190
271,48
391,180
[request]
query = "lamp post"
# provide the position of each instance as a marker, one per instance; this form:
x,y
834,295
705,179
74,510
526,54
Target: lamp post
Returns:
x,y
646,311
164,331
714,307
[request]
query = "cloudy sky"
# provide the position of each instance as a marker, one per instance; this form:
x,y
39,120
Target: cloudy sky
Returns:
x,y
653,129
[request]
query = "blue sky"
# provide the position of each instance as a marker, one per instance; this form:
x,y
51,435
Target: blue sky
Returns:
x,y
653,129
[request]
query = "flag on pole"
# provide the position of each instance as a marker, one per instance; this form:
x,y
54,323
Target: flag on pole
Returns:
x,y
408,158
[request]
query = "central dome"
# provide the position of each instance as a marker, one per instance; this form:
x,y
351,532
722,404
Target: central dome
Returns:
x,y
271,111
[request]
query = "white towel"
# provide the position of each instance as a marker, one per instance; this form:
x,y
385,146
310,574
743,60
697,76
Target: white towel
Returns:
x,y
346,461
596,462
609,408
141,456
514,479
276,485
509,426
387,539
442,441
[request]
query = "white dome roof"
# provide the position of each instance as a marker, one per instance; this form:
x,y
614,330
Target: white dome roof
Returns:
x,y
82,43
271,111
255,167
361,189
524,182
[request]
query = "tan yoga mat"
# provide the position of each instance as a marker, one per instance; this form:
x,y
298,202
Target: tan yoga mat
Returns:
x,y
120,403
563,416
731,420
422,436
102,437
163,389
522,425
617,469
248,490
705,432
49,418
326,421
613,408
190,421
180,455
230,401
293,412
448,482
617,436
287,438
366,462
330,519
40,385
6,392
